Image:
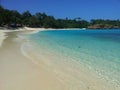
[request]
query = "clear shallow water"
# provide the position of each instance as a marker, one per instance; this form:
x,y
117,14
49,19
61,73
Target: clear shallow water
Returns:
x,y
97,50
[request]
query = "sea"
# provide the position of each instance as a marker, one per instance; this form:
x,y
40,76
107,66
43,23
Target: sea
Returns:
x,y
97,51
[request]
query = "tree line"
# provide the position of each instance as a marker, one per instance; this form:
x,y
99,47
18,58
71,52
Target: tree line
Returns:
x,y
14,18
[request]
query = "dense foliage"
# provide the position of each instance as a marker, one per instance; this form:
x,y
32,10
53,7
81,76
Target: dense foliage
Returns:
x,y
14,18
99,23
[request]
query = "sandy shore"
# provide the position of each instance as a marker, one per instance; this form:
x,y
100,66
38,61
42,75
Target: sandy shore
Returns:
x,y
19,72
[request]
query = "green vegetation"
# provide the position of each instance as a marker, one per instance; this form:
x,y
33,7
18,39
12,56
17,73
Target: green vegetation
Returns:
x,y
106,24
12,18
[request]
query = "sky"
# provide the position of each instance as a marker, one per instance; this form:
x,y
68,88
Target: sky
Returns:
x,y
85,9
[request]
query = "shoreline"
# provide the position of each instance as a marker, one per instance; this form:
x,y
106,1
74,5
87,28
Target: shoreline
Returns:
x,y
50,61
72,74
39,29
28,30
22,68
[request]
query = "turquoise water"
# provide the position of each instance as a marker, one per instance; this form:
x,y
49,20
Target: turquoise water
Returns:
x,y
97,50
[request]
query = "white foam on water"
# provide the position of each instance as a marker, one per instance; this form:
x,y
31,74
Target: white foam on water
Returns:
x,y
25,49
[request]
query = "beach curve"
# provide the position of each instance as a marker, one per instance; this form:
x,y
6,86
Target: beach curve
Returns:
x,y
19,69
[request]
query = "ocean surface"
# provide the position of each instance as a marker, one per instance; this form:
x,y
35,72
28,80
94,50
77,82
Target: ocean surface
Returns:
x,y
96,50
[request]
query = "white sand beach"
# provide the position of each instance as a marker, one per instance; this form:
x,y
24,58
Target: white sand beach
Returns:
x,y
19,72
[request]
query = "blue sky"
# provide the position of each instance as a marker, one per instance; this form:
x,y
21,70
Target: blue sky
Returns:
x,y
86,9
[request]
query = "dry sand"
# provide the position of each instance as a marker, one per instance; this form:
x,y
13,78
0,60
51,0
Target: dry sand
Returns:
x,y
19,73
